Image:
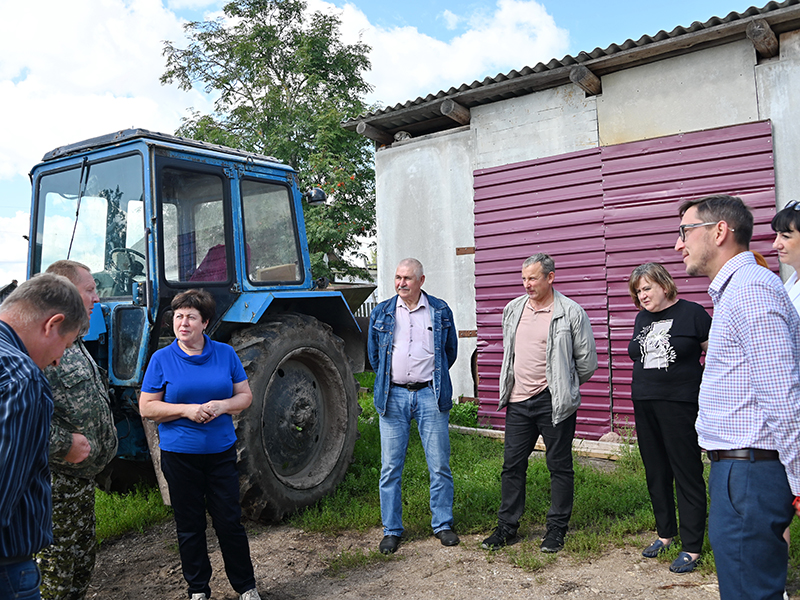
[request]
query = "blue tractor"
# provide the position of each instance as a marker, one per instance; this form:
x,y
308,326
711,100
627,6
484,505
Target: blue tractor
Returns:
x,y
154,214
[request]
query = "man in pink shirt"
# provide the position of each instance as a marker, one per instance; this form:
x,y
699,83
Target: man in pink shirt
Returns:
x,y
412,344
548,352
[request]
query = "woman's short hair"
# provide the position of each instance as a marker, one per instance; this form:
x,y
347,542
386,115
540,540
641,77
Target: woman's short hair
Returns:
x,y
200,300
787,218
655,273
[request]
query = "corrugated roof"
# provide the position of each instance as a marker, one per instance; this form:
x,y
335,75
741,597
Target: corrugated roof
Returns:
x,y
423,115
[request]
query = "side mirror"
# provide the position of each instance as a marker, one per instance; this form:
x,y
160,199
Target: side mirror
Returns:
x,y
315,196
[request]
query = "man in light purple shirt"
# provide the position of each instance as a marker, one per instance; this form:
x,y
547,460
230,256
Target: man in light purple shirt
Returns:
x,y
749,404
412,344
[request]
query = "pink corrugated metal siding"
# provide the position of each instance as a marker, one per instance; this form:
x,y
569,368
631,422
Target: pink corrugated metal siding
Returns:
x,y
552,205
600,213
644,183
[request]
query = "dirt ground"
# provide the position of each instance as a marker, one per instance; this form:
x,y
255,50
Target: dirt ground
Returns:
x,y
291,564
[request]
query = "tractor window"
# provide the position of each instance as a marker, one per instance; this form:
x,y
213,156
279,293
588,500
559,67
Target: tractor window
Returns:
x,y
270,233
193,225
94,215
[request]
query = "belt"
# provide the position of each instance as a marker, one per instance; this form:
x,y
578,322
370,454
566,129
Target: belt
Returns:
x,y
413,386
13,560
751,454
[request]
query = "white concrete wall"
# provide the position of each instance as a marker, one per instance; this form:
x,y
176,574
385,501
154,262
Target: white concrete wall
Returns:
x,y
711,88
546,123
778,83
424,211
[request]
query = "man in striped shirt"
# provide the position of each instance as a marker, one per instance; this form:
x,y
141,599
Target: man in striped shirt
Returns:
x,y
38,321
749,417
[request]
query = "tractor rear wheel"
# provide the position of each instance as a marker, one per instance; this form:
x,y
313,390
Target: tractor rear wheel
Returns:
x,y
295,442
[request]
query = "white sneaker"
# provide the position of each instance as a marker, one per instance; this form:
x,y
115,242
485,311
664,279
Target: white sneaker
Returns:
x,y
250,595
199,597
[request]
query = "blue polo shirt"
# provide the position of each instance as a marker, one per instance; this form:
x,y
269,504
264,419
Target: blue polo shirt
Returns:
x,y
195,379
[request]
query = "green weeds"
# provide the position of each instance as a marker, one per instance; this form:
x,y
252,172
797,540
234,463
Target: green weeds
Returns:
x,y
347,560
120,513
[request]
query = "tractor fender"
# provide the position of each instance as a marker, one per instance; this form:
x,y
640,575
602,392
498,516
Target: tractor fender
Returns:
x,y
326,306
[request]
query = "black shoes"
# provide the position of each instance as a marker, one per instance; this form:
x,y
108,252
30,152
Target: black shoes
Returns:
x,y
684,563
389,544
655,549
554,538
499,538
448,537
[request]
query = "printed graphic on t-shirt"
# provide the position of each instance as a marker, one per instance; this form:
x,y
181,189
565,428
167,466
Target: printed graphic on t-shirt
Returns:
x,y
654,342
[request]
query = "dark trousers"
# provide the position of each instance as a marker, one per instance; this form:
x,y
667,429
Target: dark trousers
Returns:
x,y
751,505
525,421
668,445
208,481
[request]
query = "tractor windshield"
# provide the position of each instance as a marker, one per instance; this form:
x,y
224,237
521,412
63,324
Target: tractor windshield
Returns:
x,y
93,213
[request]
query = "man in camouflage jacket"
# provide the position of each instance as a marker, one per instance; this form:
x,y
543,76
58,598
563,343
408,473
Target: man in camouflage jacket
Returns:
x,y
83,441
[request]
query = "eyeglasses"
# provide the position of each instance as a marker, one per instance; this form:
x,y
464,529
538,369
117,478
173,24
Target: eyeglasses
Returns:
x,y
682,229
793,204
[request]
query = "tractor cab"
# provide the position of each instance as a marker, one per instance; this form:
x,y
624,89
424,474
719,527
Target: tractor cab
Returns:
x,y
152,215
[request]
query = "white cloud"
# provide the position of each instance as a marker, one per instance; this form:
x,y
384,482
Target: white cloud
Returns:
x,y
176,5
78,69
73,70
407,63
15,247
451,19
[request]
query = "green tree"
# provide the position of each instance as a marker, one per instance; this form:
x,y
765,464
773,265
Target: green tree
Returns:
x,y
284,83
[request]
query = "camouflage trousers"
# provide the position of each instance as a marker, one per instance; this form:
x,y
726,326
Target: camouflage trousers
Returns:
x,y
67,565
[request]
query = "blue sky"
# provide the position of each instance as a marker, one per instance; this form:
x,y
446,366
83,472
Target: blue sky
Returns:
x,y
73,70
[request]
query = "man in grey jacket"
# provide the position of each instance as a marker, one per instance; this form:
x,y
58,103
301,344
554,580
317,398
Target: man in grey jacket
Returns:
x,y
548,352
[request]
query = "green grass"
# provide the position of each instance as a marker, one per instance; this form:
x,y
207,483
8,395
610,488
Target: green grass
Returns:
x,y
612,506
117,514
346,560
464,414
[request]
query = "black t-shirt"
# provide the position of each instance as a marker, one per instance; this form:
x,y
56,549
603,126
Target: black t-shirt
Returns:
x,y
665,350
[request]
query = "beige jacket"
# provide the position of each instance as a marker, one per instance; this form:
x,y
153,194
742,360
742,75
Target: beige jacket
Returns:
x,y
571,353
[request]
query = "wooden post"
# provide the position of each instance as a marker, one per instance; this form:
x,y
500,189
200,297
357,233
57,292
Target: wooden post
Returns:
x,y
763,38
374,133
586,80
455,111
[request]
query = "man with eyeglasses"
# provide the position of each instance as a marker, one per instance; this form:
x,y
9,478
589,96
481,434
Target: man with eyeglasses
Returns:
x,y
749,399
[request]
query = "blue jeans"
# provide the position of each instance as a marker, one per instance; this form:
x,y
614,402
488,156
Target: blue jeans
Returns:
x,y
751,505
402,405
20,581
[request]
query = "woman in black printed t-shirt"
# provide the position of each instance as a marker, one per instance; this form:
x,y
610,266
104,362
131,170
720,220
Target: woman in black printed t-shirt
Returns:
x,y
668,339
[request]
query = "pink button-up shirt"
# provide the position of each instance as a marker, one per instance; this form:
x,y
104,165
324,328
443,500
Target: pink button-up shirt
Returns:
x,y
412,346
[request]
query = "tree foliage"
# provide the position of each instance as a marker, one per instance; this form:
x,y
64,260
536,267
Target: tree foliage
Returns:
x,y
284,83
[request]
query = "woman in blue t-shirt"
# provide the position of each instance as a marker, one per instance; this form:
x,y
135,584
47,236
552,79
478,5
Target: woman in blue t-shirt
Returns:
x,y
191,389
669,337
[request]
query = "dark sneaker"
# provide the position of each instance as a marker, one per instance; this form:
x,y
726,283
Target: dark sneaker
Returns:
x,y
554,539
448,537
389,544
499,538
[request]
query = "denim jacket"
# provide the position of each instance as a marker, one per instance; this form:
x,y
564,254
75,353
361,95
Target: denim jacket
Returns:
x,y
571,353
379,348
